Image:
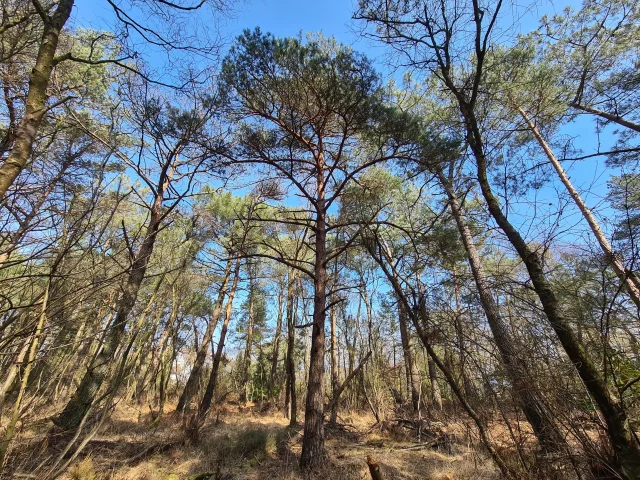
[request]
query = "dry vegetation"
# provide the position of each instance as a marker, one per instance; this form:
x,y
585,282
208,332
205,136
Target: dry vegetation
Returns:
x,y
249,442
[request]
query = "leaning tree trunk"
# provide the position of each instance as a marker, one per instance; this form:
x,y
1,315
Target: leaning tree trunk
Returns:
x,y
24,225
538,415
82,400
193,382
335,399
448,375
313,453
35,105
627,277
610,117
620,432
164,369
205,403
34,341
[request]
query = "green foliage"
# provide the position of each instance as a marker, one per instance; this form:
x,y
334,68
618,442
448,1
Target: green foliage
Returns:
x,y
301,81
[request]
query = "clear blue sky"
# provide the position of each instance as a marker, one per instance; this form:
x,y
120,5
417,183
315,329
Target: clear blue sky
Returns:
x,y
333,17
286,18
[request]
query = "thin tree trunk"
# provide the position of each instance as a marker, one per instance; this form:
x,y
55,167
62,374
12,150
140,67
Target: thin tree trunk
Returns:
x,y
276,344
537,413
413,377
291,406
335,400
450,378
165,364
193,382
628,279
334,353
33,350
25,223
436,394
462,348
205,403
607,116
12,373
83,398
246,359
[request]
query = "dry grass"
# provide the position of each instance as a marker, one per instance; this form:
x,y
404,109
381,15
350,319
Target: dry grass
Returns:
x,y
240,443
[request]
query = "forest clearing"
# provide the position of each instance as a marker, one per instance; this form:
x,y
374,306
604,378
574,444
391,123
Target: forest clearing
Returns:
x,y
376,239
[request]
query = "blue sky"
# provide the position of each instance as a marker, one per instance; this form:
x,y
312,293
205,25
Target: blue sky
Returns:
x,y
333,18
286,18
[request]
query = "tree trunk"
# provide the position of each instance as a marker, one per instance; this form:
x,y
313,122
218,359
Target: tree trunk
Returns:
x,y
246,359
291,405
276,345
313,453
25,223
193,382
607,116
205,403
537,413
448,375
164,362
628,279
436,394
82,399
334,353
333,405
35,105
413,377
33,350
620,431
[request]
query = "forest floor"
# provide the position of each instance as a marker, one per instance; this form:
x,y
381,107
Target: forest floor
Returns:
x,y
248,443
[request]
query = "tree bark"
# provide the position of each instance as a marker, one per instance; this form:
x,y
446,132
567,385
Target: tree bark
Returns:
x,y
374,469
333,405
436,394
33,350
291,404
628,279
448,375
413,377
607,116
35,105
313,453
620,431
276,345
82,399
537,413
334,353
246,359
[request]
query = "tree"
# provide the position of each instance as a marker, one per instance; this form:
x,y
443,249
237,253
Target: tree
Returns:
x,y
176,154
51,18
425,36
306,107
